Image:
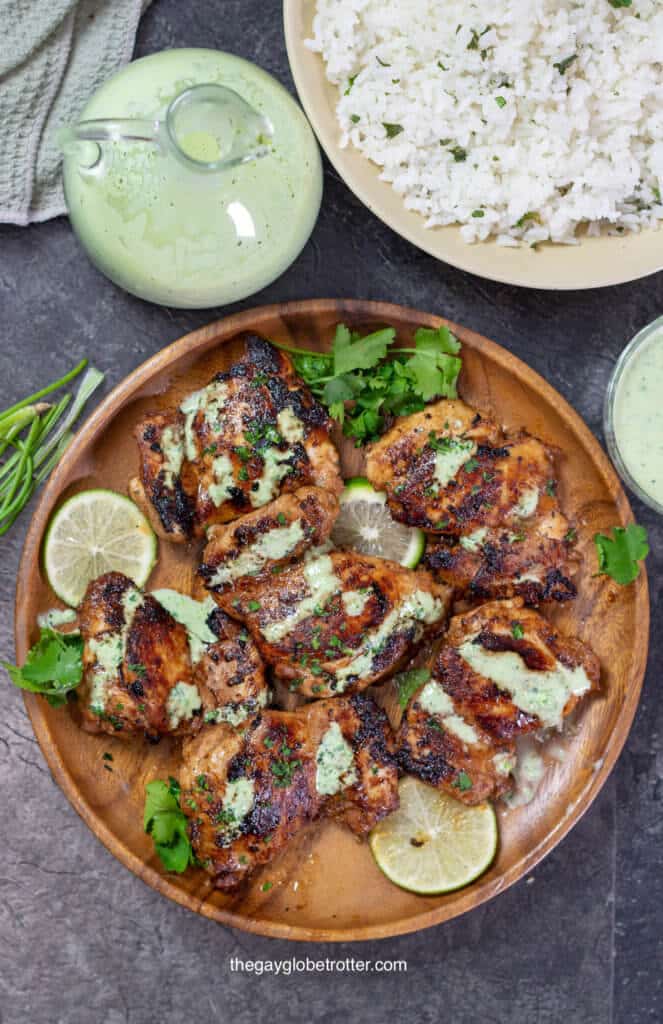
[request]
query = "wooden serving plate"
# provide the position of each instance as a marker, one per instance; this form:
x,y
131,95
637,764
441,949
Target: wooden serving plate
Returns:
x,y
327,886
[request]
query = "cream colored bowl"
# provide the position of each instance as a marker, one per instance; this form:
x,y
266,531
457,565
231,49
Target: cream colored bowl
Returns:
x,y
594,263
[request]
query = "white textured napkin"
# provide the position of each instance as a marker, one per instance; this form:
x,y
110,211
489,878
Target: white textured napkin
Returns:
x,y
53,55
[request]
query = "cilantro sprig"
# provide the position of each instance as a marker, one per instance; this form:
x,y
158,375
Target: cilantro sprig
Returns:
x,y
619,556
364,391
409,682
53,667
165,821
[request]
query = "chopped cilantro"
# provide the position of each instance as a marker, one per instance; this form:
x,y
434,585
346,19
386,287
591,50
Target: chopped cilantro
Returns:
x,y
462,782
517,630
392,130
563,65
501,102
284,771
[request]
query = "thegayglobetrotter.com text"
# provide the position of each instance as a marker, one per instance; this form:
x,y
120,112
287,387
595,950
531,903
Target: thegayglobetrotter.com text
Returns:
x,y
315,965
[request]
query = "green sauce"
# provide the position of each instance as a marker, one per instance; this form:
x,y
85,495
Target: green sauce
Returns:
x,y
334,762
56,617
222,488
436,701
185,237
191,614
527,504
290,426
173,453
235,714
638,415
109,650
540,693
201,146
447,463
276,467
182,701
210,400
276,544
354,601
474,541
237,803
418,608
322,582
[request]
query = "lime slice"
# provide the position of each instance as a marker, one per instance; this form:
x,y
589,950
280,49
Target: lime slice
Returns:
x,y
96,532
433,843
365,525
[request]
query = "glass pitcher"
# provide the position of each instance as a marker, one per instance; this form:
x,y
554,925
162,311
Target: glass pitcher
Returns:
x,y
192,193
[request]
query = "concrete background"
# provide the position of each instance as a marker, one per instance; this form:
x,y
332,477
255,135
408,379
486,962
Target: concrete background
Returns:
x,y
84,942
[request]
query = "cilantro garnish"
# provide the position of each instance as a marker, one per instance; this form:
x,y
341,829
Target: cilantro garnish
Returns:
x,y
462,782
517,630
283,772
392,130
563,65
165,821
53,667
363,391
619,556
409,682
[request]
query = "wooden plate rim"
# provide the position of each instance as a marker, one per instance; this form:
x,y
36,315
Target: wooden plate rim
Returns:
x,y
195,343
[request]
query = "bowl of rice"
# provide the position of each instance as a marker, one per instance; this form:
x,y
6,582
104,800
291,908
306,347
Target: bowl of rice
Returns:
x,y
521,141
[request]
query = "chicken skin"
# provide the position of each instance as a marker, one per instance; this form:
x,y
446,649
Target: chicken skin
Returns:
x,y
264,542
337,621
248,792
489,498
501,671
254,432
145,672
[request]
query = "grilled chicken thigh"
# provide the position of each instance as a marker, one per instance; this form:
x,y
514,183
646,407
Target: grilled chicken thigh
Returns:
x,y
145,672
337,622
260,544
253,433
248,792
489,497
501,671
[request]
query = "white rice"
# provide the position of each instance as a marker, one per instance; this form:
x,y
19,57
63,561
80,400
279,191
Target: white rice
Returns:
x,y
486,130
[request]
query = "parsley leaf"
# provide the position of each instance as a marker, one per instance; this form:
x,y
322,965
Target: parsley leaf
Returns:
x,y
409,682
164,820
53,667
619,556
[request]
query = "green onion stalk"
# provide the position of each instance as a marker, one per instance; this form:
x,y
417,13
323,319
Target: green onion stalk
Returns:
x,y
33,437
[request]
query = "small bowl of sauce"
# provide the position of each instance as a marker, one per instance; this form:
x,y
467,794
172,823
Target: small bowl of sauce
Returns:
x,y
633,415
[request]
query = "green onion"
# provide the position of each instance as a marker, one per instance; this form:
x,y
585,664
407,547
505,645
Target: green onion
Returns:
x,y
35,453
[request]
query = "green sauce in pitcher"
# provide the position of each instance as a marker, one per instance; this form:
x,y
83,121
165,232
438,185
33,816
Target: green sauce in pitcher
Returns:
x,y
193,179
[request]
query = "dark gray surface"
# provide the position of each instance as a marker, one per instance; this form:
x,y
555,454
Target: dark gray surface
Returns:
x,y
81,940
